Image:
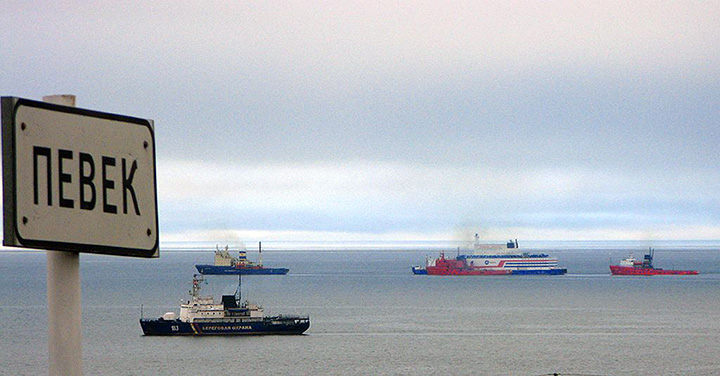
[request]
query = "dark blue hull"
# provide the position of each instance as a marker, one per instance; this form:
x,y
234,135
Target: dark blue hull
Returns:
x,y
540,272
419,270
231,270
266,326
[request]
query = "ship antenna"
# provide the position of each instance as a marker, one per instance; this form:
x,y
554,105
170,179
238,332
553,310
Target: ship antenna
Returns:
x,y
238,291
652,251
260,253
197,278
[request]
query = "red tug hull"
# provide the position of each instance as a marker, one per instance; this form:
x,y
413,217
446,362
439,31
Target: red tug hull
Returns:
x,y
629,270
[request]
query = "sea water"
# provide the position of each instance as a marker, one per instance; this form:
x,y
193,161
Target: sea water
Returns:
x,y
370,315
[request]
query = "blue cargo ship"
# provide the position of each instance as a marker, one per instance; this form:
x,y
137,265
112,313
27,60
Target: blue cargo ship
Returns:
x,y
228,265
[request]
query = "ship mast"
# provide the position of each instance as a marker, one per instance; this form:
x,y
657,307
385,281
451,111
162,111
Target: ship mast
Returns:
x,y
238,290
260,253
197,278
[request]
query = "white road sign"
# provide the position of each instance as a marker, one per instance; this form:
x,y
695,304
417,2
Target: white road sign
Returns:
x,y
78,180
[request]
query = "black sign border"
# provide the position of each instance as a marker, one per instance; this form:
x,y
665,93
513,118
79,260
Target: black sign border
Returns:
x,y
11,236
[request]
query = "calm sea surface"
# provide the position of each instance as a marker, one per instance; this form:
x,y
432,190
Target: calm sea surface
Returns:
x,y
370,315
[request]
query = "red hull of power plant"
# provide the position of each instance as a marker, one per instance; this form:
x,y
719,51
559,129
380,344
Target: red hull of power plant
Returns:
x,y
445,266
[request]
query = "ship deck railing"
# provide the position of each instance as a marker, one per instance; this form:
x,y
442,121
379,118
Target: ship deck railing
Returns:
x,y
541,255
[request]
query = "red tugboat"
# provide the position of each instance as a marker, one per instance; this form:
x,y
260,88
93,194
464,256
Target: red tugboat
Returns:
x,y
631,266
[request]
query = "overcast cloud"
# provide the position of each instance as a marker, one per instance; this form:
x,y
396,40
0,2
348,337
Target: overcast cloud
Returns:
x,y
314,121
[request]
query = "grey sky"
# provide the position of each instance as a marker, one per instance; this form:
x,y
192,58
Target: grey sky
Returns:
x,y
408,120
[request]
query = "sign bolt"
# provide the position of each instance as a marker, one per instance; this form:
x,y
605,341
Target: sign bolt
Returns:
x,y
22,126
149,232
145,144
25,220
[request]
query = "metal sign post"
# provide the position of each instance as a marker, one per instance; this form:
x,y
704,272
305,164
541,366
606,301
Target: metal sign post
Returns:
x,y
64,299
75,180
64,313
